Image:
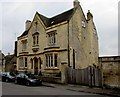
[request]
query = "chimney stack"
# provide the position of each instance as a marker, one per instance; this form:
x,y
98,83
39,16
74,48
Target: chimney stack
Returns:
x,y
76,3
27,24
89,15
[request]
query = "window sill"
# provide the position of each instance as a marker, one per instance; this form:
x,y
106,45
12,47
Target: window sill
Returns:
x,y
23,52
54,68
23,68
35,48
35,45
52,47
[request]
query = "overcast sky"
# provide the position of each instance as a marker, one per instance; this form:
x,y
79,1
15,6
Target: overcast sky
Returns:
x,y
14,13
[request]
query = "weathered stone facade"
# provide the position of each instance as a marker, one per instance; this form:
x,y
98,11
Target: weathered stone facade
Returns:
x,y
2,61
68,38
110,66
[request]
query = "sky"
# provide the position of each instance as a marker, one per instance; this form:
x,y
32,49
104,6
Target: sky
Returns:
x,y
14,13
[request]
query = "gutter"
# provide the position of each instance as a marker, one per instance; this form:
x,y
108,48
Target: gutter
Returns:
x,y
68,46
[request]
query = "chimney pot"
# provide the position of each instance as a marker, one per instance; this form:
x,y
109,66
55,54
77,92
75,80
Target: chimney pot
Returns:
x,y
76,3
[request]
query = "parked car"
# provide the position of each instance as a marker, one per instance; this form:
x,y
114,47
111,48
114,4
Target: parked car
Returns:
x,y
8,77
27,79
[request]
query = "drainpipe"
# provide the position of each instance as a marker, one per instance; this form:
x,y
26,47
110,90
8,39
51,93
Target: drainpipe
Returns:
x,y
68,47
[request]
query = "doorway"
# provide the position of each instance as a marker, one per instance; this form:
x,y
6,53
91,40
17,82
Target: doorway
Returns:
x,y
35,66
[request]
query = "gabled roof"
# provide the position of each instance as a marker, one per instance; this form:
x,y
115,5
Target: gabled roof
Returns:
x,y
24,33
44,19
61,17
65,16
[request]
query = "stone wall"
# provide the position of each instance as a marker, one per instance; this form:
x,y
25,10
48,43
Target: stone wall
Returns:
x,y
111,71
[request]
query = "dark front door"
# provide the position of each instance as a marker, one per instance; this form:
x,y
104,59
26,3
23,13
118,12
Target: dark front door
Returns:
x,y
35,66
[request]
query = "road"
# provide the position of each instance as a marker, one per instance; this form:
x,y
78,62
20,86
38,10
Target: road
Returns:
x,y
14,89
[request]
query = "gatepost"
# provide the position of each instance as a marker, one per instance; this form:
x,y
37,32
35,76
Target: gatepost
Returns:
x,y
64,73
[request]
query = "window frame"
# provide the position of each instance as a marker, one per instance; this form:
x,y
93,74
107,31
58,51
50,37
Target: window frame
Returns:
x,y
50,60
23,62
83,24
35,38
52,38
24,45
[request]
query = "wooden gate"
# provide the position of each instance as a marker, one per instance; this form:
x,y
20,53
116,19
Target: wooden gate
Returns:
x,y
89,76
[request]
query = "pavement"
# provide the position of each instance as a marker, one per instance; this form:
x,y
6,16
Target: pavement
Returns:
x,y
86,89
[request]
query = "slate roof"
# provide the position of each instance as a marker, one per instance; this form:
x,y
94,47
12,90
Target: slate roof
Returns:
x,y
24,33
57,19
65,16
10,59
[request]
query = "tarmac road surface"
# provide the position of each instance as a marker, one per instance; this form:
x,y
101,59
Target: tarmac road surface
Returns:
x,y
15,89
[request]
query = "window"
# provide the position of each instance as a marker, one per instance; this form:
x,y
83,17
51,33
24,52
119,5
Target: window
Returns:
x,y
21,62
51,60
83,24
25,62
31,63
24,45
51,38
55,56
36,39
94,30
33,40
47,60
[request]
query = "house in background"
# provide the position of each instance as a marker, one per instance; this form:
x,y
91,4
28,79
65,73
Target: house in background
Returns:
x,y
2,61
10,63
68,39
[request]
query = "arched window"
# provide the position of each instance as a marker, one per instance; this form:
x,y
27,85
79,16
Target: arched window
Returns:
x,y
31,63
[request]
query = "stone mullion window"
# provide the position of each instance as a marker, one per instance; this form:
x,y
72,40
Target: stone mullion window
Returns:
x,y
33,40
24,45
36,39
46,61
54,38
25,62
55,60
51,38
31,63
51,60
21,62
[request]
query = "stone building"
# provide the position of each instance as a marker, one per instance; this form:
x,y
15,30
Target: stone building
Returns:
x,y
68,39
2,61
10,62
110,66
